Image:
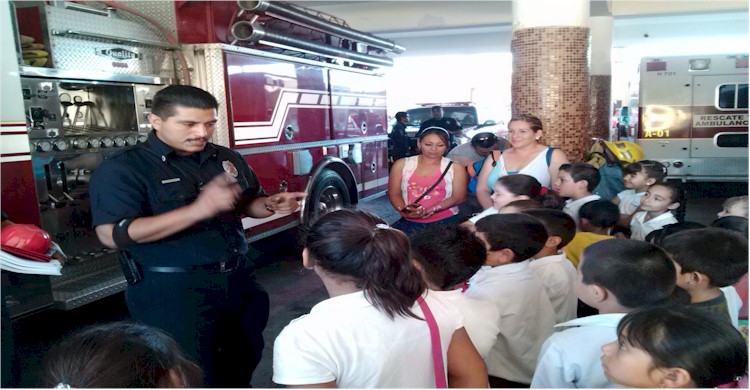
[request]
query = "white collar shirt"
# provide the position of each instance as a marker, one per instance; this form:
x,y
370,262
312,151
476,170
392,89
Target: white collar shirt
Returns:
x,y
629,201
558,276
526,317
573,206
481,319
347,340
640,229
571,358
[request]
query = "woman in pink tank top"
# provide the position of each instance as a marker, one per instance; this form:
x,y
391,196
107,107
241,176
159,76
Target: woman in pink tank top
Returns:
x,y
412,177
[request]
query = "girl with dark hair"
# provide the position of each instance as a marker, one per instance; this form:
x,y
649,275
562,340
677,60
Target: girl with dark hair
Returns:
x,y
380,328
428,187
526,156
119,355
511,188
675,347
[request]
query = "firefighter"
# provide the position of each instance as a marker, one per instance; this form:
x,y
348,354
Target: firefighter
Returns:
x,y
438,120
172,207
398,140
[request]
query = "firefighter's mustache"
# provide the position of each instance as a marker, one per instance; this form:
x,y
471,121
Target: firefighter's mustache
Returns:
x,y
202,139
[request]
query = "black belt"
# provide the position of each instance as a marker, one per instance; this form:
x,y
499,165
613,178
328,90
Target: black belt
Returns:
x,y
220,267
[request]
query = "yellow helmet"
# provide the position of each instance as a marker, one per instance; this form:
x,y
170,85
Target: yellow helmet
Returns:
x,y
626,151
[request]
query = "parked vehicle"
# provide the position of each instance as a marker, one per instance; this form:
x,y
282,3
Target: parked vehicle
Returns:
x,y
694,115
464,112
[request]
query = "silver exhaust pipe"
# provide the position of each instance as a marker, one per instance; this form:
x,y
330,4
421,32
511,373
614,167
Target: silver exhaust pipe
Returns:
x,y
247,31
292,14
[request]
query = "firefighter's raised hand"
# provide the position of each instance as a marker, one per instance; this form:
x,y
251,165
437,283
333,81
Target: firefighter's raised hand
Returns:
x,y
285,202
219,195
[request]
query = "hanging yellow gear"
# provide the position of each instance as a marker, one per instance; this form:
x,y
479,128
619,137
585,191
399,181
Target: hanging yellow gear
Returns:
x,y
626,151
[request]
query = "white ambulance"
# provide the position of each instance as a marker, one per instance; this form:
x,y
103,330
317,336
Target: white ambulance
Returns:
x,y
693,115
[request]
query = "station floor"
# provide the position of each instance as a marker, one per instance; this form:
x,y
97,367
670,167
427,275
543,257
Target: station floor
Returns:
x,y
293,290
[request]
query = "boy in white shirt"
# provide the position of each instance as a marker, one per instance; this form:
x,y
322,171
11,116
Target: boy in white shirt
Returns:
x,y
576,181
551,266
526,314
657,206
446,264
638,178
615,277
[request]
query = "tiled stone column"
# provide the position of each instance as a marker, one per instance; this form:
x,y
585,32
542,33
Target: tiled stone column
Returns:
x,y
600,81
550,70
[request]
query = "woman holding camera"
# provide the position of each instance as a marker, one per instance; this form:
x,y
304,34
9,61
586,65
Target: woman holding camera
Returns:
x,y
428,187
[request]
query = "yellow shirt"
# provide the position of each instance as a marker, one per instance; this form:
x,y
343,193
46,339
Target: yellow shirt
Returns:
x,y
581,240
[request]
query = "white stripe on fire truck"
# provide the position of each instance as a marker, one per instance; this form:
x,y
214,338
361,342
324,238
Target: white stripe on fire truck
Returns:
x,y
13,143
372,184
247,133
8,159
309,98
248,222
307,145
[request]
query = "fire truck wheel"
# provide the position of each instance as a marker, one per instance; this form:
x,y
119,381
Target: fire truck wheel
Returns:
x,y
329,194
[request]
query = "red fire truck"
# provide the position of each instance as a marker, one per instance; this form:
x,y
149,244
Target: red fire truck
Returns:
x,y
300,94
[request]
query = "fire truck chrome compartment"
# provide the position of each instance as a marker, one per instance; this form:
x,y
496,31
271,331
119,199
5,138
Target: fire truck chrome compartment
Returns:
x,y
328,140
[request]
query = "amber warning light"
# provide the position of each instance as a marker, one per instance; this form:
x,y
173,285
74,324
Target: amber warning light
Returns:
x,y
656,66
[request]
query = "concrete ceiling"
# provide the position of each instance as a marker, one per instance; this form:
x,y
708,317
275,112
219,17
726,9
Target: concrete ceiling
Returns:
x,y
467,27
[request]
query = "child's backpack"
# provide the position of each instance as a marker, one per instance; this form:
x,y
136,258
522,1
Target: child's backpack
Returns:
x,y
477,166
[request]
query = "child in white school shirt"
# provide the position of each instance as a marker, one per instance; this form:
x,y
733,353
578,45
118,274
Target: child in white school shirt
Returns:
x,y
551,265
447,256
372,332
615,277
657,206
576,181
526,314
638,177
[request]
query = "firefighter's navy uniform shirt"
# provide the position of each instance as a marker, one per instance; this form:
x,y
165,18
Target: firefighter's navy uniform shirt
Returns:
x,y
151,179
449,124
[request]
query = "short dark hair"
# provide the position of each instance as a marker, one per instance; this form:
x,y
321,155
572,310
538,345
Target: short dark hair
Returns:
x,y
401,114
523,204
557,223
650,168
732,222
362,247
439,131
708,347
484,140
534,122
449,254
436,108
637,273
521,233
583,171
118,355
720,254
188,96
521,184
657,236
600,213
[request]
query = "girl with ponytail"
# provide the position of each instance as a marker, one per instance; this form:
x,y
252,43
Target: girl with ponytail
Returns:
x,y
372,331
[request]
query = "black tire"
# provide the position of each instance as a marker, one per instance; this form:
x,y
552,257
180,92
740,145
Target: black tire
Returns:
x,y
329,194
